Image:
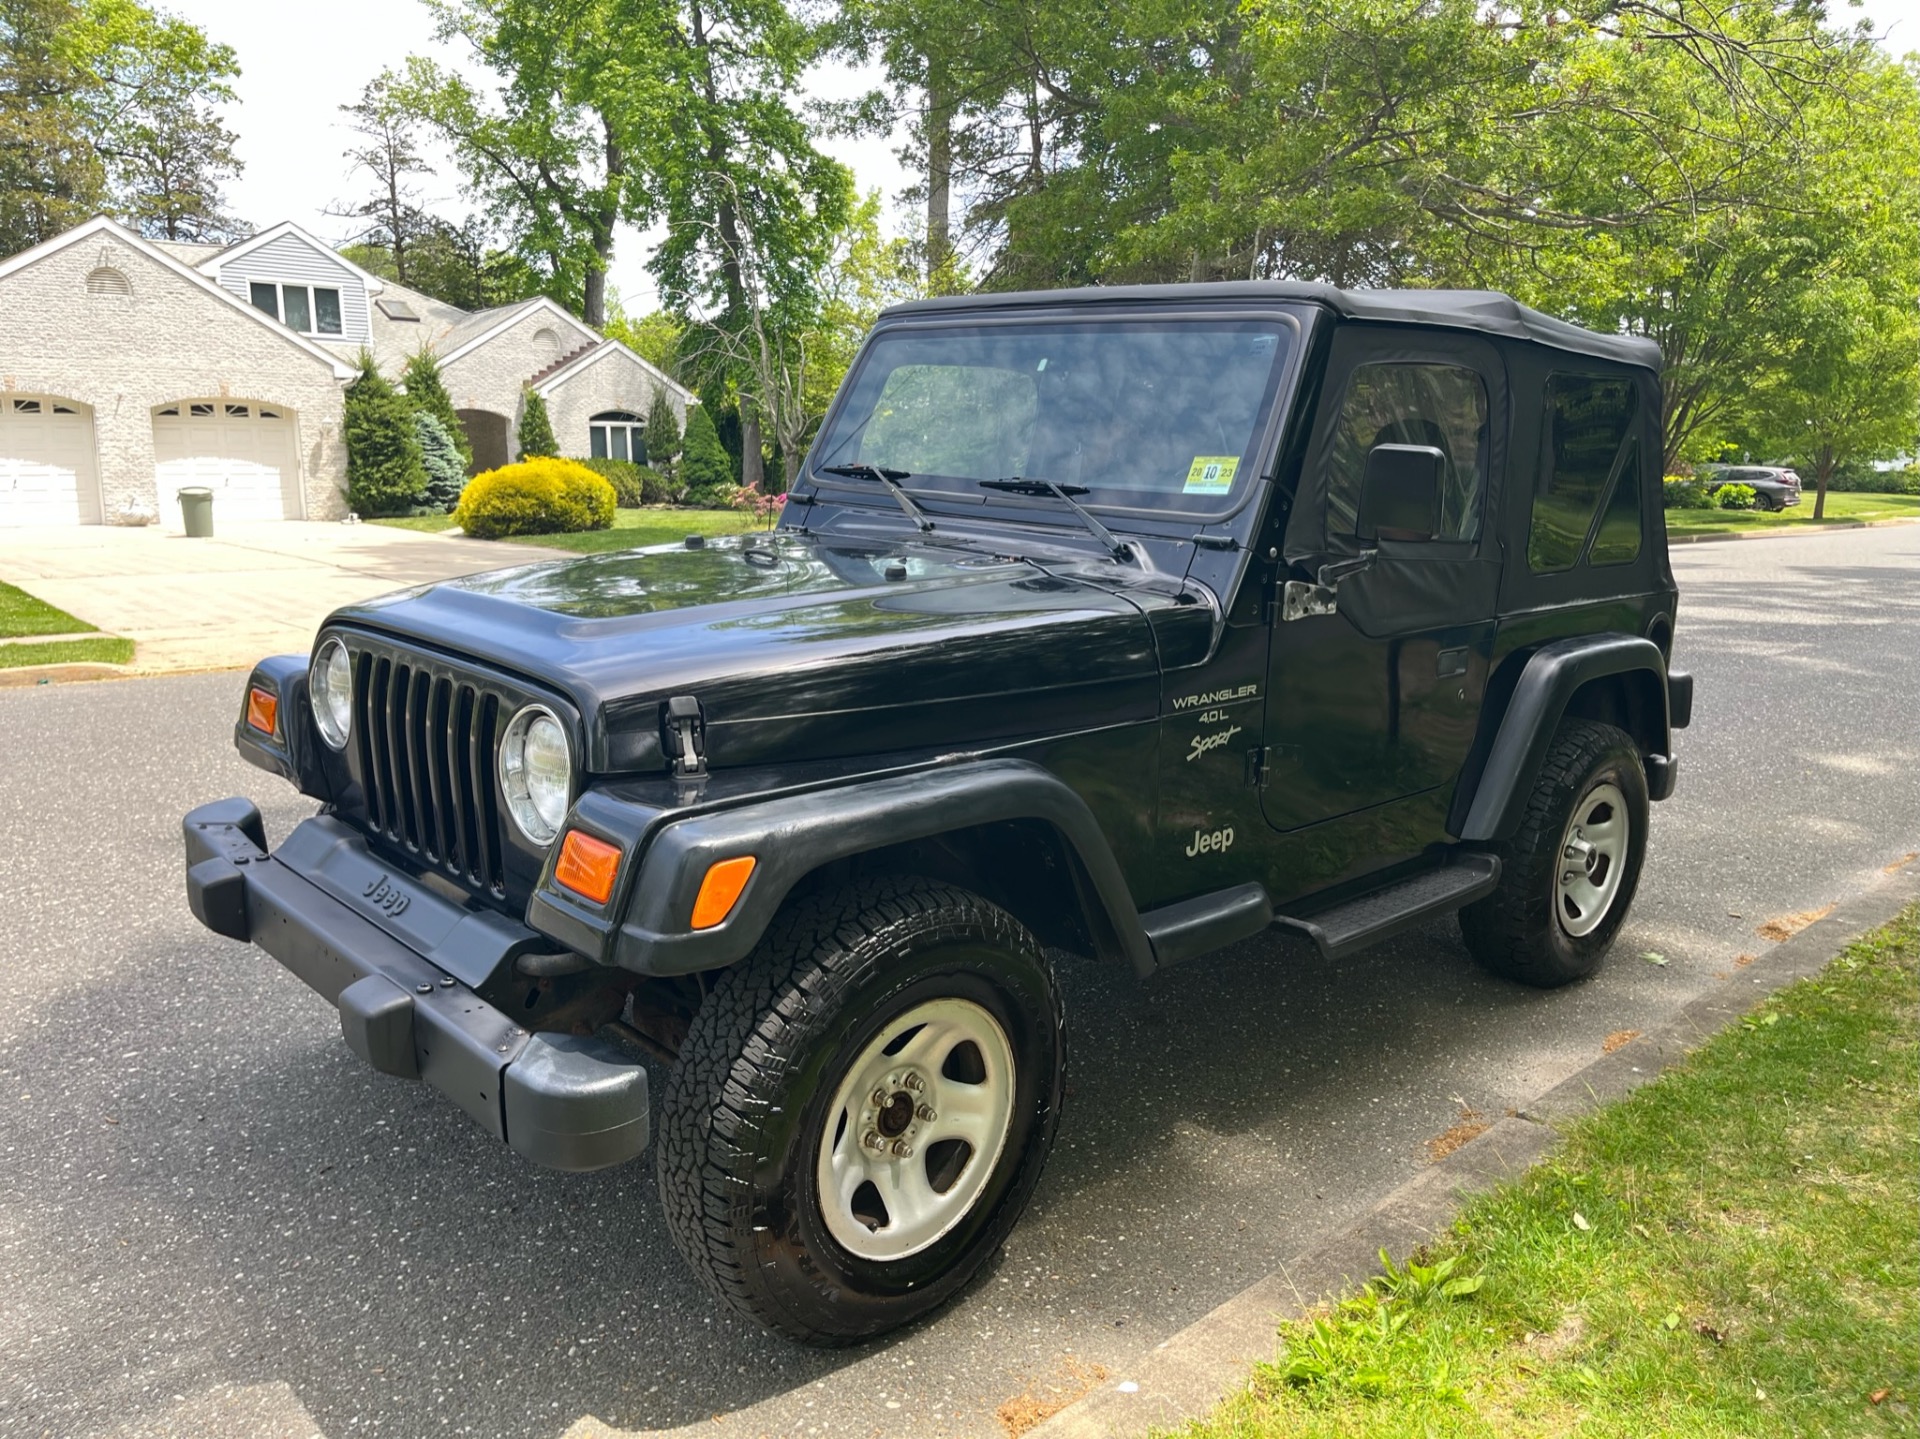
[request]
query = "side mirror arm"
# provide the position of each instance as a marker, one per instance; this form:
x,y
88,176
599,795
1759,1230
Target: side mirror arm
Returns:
x,y
1299,599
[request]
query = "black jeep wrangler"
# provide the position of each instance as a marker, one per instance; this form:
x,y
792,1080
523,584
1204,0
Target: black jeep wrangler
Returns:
x,y
1128,622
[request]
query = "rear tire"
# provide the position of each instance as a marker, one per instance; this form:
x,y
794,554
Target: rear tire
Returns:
x,y
862,1108
1569,874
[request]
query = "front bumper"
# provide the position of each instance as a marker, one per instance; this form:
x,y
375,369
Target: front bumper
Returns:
x,y
560,1100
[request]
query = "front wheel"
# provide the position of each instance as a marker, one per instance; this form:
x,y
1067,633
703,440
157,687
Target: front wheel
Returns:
x,y
862,1108
1568,876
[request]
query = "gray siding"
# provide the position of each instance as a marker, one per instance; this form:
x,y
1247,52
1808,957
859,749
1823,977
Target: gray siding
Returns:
x,y
292,260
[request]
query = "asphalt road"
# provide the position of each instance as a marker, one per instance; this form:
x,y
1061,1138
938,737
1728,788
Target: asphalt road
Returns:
x,y
200,1187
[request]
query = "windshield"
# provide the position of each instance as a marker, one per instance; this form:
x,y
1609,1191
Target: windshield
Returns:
x,y
1157,415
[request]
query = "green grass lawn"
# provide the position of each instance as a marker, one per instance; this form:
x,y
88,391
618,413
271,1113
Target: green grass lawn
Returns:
x,y
105,649
1728,1252
1847,507
631,529
22,614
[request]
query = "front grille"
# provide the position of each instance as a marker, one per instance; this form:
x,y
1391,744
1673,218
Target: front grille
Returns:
x,y
425,740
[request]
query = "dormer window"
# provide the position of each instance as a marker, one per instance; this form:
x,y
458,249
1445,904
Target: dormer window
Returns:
x,y
312,310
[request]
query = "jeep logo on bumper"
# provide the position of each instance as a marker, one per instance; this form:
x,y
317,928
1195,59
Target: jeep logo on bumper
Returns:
x,y
382,892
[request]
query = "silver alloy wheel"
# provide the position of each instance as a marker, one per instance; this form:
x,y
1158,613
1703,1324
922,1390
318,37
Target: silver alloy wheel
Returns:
x,y
915,1129
1593,857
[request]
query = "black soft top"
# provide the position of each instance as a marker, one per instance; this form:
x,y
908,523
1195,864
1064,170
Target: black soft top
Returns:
x,y
1486,311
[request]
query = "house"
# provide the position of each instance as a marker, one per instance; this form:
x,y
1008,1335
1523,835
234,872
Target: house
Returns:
x,y
130,368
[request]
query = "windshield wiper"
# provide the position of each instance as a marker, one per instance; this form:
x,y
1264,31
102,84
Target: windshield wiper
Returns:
x,y
891,479
1047,489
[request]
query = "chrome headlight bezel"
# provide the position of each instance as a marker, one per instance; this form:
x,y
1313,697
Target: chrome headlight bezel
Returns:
x,y
332,711
518,781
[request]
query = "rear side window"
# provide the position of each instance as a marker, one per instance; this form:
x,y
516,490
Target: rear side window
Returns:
x,y
1412,404
1618,539
1590,421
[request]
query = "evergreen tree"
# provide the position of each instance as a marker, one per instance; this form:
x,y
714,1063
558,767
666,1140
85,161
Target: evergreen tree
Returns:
x,y
428,392
663,433
440,458
704,466
384,471
536,430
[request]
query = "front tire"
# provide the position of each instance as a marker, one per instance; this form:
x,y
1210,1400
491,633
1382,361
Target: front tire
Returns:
x,y
862,1108
1568,876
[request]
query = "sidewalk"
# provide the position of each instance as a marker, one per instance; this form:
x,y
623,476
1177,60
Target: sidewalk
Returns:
x,y
252,590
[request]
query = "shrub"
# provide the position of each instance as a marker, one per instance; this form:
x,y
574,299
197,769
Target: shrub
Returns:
x,y
706,474
1682,493
663,432
427,392
536,430
440,458
633,485
384,472
540,496
1734,497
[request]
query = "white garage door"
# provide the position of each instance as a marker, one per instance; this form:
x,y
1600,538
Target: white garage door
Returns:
x,y
46,462
243,452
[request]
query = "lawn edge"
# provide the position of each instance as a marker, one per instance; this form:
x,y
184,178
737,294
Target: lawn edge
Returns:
x,y
1191,1372
1825,527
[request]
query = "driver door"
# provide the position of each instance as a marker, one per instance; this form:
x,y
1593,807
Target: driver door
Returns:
x,y
1378,700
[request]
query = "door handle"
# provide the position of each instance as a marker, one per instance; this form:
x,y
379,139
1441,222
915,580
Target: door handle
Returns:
x,y
1451,663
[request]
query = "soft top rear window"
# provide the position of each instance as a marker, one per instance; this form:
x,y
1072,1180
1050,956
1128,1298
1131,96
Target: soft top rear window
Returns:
x,y
1147,415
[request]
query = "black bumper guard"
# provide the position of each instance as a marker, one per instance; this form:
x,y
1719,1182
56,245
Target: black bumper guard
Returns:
x,y
563,1101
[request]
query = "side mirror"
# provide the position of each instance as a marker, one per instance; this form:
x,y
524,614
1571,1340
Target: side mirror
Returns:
x,y
1400,492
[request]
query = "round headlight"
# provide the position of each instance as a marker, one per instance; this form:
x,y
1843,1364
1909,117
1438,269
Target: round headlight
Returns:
x,y
536,773
330,679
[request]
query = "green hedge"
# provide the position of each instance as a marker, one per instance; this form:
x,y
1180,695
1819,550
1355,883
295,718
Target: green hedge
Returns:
x,y
633,485
1680,493
535,497
1734,497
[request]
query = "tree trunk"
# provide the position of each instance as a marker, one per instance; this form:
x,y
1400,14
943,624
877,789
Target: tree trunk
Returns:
x,y
1822,472
605,214
753,465
940,111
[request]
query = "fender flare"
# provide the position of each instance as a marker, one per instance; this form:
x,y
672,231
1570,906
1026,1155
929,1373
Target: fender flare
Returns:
x,y
1547,683
791,837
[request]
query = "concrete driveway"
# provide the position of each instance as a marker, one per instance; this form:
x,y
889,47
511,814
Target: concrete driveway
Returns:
x,y
251,590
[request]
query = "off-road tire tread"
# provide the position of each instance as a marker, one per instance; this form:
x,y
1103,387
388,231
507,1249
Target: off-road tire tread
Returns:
x,y
815,953
1504,930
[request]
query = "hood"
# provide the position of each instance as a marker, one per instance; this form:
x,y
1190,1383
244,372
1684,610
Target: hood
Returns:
x,y
801,646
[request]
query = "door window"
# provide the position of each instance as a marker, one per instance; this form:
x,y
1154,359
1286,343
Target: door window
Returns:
x,y
1590,422
1412,404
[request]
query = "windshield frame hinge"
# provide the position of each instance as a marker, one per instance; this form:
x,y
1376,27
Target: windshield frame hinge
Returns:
x,y
683,736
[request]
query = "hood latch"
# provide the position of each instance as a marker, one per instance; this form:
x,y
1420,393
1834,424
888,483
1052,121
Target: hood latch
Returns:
x,y
683,732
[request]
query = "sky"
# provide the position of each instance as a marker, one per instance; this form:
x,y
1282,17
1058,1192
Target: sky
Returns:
x,y
301,60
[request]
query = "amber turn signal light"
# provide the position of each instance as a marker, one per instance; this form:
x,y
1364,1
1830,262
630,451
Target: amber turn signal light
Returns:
x,y
587,866
720,890
263,709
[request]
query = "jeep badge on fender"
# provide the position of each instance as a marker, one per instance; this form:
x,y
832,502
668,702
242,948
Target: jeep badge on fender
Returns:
x,y
1126,621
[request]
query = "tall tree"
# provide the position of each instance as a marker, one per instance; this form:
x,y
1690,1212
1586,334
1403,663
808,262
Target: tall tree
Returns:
x,y
388,154
48,181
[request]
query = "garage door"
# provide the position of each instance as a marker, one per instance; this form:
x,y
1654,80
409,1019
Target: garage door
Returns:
x,y
46,462
242,451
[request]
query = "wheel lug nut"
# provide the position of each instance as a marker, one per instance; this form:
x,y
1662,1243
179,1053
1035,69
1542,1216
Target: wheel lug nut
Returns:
x,y
879,1099
912,1082
927,1116
902,1149
873,1141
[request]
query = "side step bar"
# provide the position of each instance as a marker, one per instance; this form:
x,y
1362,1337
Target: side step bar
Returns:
x,y
1348,928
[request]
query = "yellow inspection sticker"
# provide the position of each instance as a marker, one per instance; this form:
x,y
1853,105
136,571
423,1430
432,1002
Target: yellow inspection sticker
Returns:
x,y
1211,475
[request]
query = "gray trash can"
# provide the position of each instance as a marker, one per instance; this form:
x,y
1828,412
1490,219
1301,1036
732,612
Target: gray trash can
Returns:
x,y
196,509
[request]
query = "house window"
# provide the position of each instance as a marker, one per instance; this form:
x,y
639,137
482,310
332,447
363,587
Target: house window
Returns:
x,y
617,435
26,407
310,310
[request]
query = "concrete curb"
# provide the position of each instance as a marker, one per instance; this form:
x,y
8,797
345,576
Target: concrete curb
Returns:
x,y
1196,1368
1824,528
23,676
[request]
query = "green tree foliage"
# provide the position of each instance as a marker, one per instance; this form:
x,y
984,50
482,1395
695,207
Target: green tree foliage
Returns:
x,y
107,105
663,432
385,475
705,471
440,458
428,393
388,154
654,337
536,430
450,262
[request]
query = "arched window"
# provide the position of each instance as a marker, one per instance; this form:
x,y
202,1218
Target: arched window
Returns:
x,y
108,281
617,435
546,341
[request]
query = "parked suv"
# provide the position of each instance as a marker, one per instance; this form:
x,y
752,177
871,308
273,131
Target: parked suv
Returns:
x,y
1774,486
1133,622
